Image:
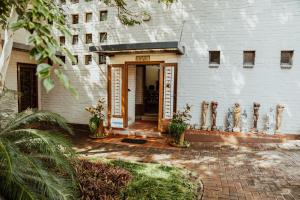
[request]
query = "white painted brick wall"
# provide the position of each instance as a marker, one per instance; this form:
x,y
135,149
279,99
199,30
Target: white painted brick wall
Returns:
x,y
231,26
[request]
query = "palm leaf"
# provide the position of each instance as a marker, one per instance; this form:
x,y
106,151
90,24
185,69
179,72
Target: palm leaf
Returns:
x,y
30,116
36,164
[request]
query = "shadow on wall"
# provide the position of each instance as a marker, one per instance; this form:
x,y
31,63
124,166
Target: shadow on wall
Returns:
x,y
228,26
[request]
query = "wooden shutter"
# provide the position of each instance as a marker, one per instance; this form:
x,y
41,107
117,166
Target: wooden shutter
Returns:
x,y
167,94
117,96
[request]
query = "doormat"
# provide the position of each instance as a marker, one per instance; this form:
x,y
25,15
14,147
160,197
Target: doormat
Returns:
x,y
134,141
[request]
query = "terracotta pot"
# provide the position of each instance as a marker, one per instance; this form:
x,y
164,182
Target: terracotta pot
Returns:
x,y
181,139
100,129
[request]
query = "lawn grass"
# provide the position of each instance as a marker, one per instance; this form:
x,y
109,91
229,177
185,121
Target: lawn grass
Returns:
x,y
156,182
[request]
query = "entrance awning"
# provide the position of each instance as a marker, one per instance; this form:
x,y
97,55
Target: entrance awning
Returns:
x,y
150,47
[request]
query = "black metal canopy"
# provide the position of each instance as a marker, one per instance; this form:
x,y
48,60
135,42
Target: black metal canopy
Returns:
x,y
149,47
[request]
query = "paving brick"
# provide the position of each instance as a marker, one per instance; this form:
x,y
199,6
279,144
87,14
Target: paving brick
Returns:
x,y
227,172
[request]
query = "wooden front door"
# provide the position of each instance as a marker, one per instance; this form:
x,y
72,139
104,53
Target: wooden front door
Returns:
x,y
117,96
167,94
27,87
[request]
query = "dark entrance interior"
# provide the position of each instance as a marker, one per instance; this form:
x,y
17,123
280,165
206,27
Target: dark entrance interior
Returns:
x,y
147,92
27,86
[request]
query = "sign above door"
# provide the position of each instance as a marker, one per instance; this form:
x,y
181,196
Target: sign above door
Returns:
x,y
142,58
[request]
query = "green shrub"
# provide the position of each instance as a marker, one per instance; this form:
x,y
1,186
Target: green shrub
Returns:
x,y
179,124
94,124
176,130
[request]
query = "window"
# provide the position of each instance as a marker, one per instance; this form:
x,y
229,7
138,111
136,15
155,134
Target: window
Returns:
x,y
88,17
214,58
62,40
103,37
88,59
74,1
88,38
63,59
76,60
286,60
102,59
75,19
103,15
249,58
75,39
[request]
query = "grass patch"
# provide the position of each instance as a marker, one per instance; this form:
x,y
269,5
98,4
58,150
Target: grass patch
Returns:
x,y
154,181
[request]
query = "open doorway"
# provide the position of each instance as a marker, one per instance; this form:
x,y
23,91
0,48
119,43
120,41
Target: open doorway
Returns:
x,y
147,92
128,99
27,86
143,90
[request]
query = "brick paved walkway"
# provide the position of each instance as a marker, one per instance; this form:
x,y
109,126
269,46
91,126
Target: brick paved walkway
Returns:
x,y
228,172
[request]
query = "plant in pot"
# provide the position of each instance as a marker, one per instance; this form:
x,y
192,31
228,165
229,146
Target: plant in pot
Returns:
x,y
178,126
96,122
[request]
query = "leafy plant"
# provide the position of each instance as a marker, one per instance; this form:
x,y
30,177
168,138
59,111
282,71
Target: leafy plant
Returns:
x,y
41,18
179,124
100,181
97,111
97,119
35,162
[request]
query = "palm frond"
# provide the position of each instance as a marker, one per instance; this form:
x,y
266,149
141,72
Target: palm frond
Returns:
x,y
36,164
30,116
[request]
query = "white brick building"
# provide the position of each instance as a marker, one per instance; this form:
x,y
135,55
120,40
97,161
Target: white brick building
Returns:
x,y
194,29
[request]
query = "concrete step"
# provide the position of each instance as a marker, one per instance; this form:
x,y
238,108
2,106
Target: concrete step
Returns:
x,y
149,117
144,134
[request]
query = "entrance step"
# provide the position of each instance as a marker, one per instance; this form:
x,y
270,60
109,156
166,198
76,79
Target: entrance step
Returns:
x,y
144,134
148,134
149,117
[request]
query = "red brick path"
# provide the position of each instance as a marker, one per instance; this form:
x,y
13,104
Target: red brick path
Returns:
x,y
228,172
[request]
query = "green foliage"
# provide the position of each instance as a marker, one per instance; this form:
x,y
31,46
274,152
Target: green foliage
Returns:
x,y
40,18
35,161
100,181
94,124
97,118
153,181
179,123
98,110
176,130
125,15
182,116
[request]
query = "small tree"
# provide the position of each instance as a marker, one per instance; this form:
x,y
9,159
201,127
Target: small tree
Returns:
x,y
39,17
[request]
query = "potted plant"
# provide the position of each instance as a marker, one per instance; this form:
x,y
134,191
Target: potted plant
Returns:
x,y
96,122
178,126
